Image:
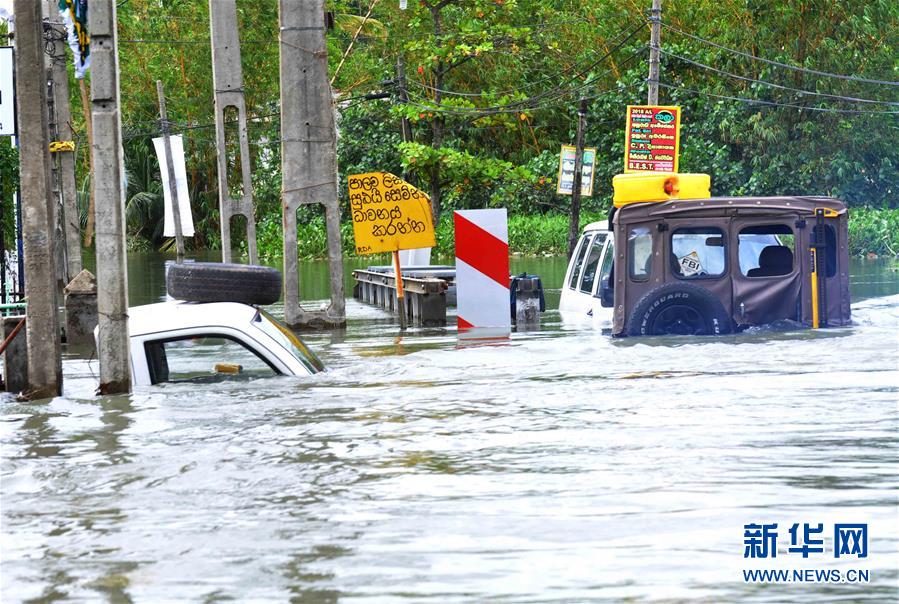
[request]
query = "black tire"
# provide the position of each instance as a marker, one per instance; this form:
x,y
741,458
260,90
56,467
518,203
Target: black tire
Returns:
x,y
679,309
216,282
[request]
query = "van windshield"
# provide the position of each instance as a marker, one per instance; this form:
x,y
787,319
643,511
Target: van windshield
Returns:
x,y
288,340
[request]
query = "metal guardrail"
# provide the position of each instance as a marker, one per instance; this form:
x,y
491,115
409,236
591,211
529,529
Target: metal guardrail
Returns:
x,y
425,298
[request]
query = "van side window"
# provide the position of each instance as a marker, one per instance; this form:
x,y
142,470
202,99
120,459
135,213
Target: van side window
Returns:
x,y
767,250
592,263
605,267
639,250
698,252
579,261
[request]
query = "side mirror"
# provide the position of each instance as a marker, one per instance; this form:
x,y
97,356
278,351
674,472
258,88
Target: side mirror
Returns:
x,y
606,293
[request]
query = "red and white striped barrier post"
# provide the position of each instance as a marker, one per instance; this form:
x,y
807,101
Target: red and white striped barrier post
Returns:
x,y
482,268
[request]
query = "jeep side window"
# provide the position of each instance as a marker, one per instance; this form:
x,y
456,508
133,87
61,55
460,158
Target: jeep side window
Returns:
x,y
766,250
575,275
698,252
592,264
639,250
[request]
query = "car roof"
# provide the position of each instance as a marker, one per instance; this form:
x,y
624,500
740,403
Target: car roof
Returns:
x,y
172,315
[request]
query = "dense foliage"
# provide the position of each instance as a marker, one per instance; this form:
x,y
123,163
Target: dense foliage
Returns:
x,y
493,87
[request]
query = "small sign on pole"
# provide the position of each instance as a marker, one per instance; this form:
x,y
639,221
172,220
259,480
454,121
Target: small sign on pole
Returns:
x,y
652,138
7,93
566,171
390,215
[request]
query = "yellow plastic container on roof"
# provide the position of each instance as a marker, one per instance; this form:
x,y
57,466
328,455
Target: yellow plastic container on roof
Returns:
x,y
641,187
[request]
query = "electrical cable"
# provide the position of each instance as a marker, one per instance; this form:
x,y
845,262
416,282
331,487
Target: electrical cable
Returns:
x,y
774,104
773,85
778,63
534,83
523,104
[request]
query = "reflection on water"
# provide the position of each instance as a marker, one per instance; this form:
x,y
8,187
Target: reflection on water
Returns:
x,y
561,466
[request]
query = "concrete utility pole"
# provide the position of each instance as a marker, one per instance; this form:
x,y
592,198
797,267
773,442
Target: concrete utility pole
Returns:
x,y
61,130
38,226
308,152
575,217
227,78
108,183
170,170
655,45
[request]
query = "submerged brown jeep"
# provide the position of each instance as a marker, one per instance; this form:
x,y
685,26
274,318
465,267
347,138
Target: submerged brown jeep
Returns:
x,y
706,265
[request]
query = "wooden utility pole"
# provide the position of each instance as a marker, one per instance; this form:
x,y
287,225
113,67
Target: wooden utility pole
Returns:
x,y
308,152
170,170
655,46
108,184
404,99
38,224
61,130
574,221
227,78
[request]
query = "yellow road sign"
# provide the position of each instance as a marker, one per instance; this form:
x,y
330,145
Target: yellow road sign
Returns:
x,y
389,214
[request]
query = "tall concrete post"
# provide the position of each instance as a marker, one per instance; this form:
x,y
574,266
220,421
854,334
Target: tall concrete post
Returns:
x,y
308,152
227,77
655,46
62,130
42,312
109,194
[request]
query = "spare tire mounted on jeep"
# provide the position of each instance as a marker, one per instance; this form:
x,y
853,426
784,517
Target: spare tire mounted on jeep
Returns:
x,y
220,282
678,309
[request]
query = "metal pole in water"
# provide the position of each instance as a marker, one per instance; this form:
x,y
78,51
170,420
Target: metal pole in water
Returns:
x,y
109,195
42,312
170,170
400,294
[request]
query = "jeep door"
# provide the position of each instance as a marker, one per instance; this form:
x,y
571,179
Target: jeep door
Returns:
x,y
696,251
766,260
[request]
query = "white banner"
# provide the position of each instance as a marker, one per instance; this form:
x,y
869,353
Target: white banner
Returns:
x,y
7,93
187,220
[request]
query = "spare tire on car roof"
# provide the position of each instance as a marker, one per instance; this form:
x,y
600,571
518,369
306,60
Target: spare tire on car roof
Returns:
x,y
679,309
219,282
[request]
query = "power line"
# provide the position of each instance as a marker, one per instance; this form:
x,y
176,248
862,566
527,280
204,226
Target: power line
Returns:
x,y
562,92
545,79
774,104
778,63
773,85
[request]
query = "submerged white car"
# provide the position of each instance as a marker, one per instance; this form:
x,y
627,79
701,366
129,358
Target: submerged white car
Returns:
x,y
212,341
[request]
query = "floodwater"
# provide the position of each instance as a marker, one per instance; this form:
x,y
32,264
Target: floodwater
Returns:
x,y
557,465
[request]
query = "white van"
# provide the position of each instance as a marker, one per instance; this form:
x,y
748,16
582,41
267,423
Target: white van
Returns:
x,y
592,260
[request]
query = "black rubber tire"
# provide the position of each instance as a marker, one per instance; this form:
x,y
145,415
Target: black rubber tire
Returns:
x,y
217,282
678,309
